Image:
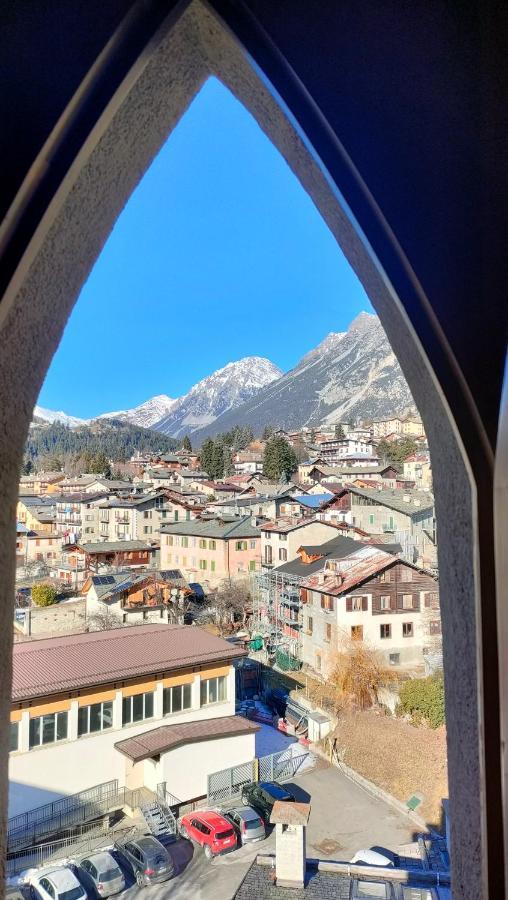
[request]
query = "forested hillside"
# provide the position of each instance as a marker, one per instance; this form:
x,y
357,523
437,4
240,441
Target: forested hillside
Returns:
x,y
117,440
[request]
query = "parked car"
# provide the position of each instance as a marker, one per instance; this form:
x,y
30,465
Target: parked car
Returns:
x,y
58,884
248,824
209,829
105,873
148,858
262,796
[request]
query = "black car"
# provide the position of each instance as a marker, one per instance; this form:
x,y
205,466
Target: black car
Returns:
x,y
148,858
262,796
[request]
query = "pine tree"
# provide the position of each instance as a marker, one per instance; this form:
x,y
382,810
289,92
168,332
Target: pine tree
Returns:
x,y
339,432
279,460
218,455
186,444
206,457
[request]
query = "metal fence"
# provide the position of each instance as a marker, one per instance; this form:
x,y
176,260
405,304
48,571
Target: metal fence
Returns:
x,y
38,824
228,783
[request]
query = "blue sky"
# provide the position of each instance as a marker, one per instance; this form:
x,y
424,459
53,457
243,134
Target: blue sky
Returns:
x,y
219,254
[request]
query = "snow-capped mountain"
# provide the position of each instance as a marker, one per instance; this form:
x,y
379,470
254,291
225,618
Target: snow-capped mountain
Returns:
x,y
146,414
49,415
223,391
350,376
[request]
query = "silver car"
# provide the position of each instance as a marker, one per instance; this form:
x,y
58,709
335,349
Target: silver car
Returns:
x,y
248,824
104,872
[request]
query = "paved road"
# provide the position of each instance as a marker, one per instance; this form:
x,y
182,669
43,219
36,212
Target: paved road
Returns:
x,y
344,819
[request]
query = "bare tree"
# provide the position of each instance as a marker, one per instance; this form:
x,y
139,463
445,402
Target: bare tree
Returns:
x,y
359,673
230,604
103,621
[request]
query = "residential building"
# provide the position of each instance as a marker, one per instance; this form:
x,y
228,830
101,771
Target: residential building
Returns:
x,y
402,427
44,547
97,556
281,538
36,513
133,596
369,596
319,473
142,705
417,468
334,451
118,519
408,515
76,514
208,551
41,482
248,462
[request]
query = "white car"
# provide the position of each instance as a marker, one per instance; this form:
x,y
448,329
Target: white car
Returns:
x,y
372,858
58,884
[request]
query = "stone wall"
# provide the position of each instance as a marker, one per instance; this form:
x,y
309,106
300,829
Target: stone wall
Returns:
x,y
69,616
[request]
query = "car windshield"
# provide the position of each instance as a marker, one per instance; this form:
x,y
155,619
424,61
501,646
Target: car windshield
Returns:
x,y
224,834
110,875
76,893
253,823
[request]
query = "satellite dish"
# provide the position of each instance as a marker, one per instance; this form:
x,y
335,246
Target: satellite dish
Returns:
x,y
174,592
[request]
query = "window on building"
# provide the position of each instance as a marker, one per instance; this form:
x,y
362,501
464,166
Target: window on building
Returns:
x,y
435,627
13,737
309,624
95,717
212,565
169,540
328,633
137,708
175,515
357,632
252,545
252,565
241,545
147,529
356,604
283,537
202,544
407,601
48,729
430,599
283,554
384,601
318,662
407,629
212,545
408,574
176,698
268,555
327,602
394,659
214,690
371,520
385,631
202,564
185,542
385,576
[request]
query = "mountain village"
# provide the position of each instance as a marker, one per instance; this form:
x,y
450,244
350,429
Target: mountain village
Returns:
x,y
201,605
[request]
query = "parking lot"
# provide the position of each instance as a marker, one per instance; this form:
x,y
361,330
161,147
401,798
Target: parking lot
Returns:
x,y
344,818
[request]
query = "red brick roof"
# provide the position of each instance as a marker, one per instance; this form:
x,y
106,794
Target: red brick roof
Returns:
x,y
167,737
70,662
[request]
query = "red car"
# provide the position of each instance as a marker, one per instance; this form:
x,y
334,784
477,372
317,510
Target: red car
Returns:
x,y
215,834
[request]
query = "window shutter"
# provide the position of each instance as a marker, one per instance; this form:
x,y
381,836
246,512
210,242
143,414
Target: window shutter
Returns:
x,y
365,604
427,600
416,601
376,604
349,604
393,601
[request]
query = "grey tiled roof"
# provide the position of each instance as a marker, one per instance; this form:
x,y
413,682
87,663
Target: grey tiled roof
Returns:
x,y
118,546
394,499
225,527
70,662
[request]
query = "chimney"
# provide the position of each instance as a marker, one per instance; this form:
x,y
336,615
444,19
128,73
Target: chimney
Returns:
x,y
321,577
290,820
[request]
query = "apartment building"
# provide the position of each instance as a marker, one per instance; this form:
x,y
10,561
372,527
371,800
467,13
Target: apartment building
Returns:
x,y
417,468
211,550
372,596
281,538
403,427
143,705
36,513
333,452
41,482
119,519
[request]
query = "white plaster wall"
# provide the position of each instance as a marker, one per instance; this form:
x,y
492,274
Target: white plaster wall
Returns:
x,y
185,769
46,773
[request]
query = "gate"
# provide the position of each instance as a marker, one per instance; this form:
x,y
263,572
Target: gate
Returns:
x,y
228,783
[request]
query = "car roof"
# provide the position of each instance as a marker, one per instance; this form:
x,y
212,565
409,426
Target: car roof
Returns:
x,y
245,812
276,790
148,842
63,878
216,820
102,860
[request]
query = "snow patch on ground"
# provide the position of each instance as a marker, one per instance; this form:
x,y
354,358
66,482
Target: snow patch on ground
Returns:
x,y
270,740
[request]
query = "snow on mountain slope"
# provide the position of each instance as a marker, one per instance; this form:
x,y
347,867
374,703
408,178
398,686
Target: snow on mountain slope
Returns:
x,y
349,376
146,414
49,415
224,390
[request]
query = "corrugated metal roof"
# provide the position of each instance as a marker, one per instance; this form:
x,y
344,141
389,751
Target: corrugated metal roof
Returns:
x,y
70,662
167,737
